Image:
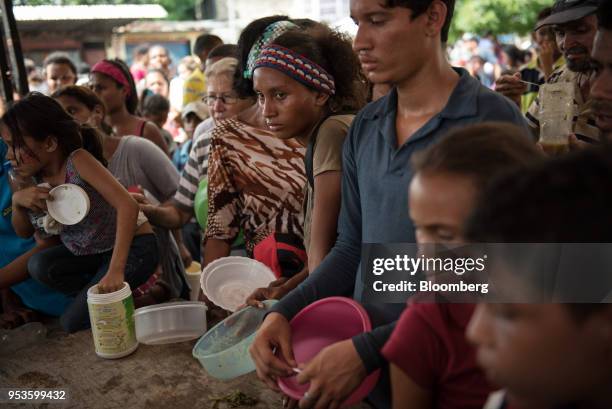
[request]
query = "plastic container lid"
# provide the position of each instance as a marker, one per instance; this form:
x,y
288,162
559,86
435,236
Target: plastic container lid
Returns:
x,y
228,281
171,306
96,297
70,204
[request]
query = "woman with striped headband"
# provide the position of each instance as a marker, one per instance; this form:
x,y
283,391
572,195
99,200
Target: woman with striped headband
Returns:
x,y
112,82
304,96
255,181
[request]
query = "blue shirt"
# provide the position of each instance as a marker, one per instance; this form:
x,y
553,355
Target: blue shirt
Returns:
x,y
181,155
33,294
375,179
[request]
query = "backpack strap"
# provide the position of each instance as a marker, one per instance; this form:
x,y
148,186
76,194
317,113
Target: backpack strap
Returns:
x,y
309,157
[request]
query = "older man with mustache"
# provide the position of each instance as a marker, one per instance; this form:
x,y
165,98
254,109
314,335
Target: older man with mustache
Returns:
x,y
575,25
601,84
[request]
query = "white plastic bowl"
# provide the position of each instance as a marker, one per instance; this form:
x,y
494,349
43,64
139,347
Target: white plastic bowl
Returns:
x,y
70,204
170,322
228,281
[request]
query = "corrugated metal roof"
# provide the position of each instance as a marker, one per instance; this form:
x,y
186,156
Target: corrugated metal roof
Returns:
x,y
96,12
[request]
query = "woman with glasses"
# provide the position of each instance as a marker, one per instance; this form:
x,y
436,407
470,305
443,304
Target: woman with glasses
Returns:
x,y
223,102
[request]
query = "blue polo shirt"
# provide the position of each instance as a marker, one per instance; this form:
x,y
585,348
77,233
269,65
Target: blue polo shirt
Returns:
x,y
376,174
32,293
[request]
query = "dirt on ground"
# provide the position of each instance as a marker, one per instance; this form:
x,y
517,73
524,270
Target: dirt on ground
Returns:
x,y
153,377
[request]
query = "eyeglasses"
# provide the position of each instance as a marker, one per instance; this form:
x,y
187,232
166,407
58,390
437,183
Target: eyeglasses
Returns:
x,y
226,99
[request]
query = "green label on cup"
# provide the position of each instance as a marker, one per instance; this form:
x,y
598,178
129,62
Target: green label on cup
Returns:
x,y
112,326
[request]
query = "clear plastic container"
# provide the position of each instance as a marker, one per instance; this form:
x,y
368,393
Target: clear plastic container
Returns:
x,y
170,322
224,350
557,110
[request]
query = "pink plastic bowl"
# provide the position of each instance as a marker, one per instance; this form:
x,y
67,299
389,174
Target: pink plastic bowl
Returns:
x,y
321,324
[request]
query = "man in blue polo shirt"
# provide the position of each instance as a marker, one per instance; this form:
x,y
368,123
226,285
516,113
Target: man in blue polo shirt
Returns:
x,y
399,42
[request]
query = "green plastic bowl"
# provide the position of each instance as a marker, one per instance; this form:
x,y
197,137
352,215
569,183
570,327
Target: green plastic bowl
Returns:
x,y
224,350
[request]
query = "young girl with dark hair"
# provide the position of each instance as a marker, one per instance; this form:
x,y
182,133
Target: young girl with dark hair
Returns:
x,y
107,247
112,82
135,162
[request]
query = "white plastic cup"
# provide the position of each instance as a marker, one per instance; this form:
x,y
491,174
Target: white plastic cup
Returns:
x,y
194,271
112,322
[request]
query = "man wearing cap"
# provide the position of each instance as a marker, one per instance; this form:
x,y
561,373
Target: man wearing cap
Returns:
x,y
575,25
601,83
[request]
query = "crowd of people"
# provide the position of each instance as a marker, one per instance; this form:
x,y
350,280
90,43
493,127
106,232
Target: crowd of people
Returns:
x,y
299,144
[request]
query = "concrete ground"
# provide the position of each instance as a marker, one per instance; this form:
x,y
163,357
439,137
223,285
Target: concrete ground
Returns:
x,y
153,377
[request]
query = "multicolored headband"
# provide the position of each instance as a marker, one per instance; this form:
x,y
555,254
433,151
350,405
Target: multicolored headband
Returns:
x,y
298,67
110,69
271,33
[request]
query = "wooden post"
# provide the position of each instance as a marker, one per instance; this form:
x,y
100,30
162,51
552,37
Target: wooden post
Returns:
x,y
5,70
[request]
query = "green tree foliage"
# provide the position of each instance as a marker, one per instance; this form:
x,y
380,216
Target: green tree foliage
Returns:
x,y
177,9
496,16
